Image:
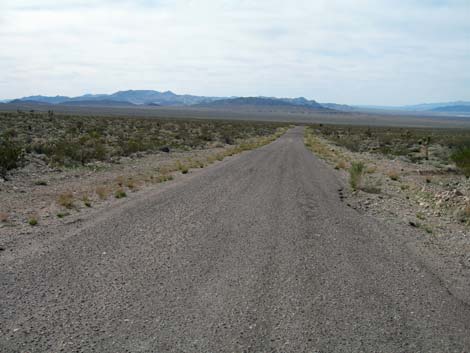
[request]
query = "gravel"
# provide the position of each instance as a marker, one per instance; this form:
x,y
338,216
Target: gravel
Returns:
x,y
255,254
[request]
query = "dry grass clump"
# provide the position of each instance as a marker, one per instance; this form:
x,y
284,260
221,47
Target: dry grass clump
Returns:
x,y
86,200
164,177
182,167
131,184
341,165
66,200
102,192
393,175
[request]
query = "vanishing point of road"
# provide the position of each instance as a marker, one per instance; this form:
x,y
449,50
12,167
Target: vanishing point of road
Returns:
x,y
255,254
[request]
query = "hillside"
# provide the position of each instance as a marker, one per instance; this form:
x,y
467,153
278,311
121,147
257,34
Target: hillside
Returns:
x,y
265,103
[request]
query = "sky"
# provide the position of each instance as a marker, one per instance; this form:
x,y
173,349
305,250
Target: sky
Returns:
x,y
380,52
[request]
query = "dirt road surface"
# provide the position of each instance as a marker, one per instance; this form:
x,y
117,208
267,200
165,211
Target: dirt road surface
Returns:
x,y
255,254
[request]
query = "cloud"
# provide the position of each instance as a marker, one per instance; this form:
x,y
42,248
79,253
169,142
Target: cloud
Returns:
x,y
381,52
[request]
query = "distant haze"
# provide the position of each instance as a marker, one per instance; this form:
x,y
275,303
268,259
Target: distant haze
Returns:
x,y
374,52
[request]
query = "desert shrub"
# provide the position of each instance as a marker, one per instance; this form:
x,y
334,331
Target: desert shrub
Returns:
x,y
66,200
102,192
356,172
461,157
120,193
33,221
10,154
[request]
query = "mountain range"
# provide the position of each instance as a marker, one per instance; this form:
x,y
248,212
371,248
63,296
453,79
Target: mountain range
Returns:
x,y
168,98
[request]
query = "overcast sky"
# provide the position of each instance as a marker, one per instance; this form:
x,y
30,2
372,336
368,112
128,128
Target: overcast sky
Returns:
x,y
355,52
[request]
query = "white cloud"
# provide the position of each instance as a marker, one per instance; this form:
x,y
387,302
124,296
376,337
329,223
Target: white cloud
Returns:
x,y
353,52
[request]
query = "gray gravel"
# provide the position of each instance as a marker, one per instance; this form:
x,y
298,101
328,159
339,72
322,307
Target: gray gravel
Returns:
x,y
255,254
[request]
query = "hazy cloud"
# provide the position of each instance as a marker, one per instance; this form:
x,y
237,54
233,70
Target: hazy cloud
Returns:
x,y
380,52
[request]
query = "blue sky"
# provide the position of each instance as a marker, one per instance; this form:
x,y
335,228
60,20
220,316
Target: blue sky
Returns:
x,y
355,52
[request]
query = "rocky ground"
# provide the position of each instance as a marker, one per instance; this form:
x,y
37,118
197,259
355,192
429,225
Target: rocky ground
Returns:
x,y
433,202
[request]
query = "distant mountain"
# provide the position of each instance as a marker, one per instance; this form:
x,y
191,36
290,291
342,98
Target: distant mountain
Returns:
x,y
161,98
254,101
97,103
453,109
44,99
433,106
167,98
265,102
425,107
27,101
340,107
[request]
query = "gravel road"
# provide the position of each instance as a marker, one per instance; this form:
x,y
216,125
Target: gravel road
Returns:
x,y
255,254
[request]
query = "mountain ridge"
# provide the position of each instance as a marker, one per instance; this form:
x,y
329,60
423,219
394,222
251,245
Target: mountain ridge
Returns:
x,y
169,98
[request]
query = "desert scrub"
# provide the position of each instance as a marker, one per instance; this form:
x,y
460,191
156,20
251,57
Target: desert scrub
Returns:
x,y
418,145
356,173
10,153
75,141
461,157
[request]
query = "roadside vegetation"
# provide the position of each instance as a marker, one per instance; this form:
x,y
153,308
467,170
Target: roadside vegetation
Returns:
x,y
54,166
73,141
417,145
416,175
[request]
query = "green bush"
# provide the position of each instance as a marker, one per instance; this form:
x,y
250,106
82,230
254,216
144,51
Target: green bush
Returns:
x,y
461,157
119,194
10,154
356,173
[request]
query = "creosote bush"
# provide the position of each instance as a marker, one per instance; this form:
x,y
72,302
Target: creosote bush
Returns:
x,y
10,153
461,157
